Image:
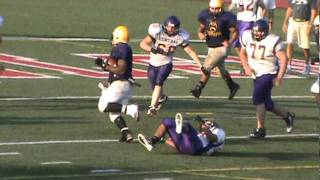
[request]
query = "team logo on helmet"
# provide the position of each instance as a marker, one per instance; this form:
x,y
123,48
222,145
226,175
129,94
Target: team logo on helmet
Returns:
x,y
120,34
260,30
172,25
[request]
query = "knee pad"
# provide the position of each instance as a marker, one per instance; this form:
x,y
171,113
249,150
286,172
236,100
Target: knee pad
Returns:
x,y
113,116
269,106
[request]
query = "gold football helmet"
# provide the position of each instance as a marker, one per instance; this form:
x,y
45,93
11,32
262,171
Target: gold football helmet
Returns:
x,y
216,4
120,34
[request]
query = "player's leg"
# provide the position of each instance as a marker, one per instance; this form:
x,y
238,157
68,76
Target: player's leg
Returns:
x,y
291,39
233,87
262,90
159,78
114,101
209,63
286,115
304,43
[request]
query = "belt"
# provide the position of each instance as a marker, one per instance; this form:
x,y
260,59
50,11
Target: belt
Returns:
x,y
300,20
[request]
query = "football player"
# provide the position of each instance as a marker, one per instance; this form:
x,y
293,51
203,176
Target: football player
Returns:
x,y
218,28
2,68
114,98
259,53
186,139
270,6
246,15
162,41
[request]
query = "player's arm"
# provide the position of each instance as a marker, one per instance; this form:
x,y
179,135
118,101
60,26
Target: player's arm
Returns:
x,y
119,69
244,61
281,55
233,35
286,19
189,50
170,143
202,32
314,13
146,44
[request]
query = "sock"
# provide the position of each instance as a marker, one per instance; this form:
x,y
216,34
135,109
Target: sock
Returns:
x,y
121,124
154,139
229,81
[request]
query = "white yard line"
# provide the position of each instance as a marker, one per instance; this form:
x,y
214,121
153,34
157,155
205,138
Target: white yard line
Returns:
x,y
56,162
142,97
171,171
9,153
116,140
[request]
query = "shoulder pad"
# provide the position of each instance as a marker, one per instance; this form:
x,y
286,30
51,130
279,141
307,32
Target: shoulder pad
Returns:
x,y
184,34
154,29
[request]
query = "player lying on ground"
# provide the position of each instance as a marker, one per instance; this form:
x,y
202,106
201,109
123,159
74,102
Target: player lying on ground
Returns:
x,y
186,139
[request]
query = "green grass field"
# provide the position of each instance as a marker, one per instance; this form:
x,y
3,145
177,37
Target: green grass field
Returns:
x,y
59,121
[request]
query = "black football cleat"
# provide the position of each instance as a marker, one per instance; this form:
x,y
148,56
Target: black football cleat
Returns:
x,y
196,92
126,136
289,121
258,133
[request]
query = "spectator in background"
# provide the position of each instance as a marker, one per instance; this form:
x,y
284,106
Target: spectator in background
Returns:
x,y
316,26
298,24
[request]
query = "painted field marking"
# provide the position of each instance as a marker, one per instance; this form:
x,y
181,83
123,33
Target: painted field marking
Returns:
x,y
116,140
166,172
143,97
56,162
9,153
223,176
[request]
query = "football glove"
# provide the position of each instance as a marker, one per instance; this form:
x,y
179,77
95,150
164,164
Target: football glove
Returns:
x,y
102,62
205,71
158,51
199,119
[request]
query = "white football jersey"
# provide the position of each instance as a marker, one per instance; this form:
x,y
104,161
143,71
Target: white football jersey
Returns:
x,y
261,54
246,9
269,4
216,146
166,42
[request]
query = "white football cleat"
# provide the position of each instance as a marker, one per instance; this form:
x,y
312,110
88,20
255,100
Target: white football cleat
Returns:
x,y
133,111
179,122
143,141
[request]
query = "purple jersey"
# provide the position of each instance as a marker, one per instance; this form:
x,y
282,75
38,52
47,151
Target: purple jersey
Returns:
x,y
217,27
122,51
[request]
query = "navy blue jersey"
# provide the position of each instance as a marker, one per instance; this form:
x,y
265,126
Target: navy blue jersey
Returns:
x,y
122,51
217,27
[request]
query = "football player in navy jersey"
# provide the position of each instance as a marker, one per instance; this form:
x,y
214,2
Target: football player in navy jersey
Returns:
x,y
218,28
115,97
208,140
162,41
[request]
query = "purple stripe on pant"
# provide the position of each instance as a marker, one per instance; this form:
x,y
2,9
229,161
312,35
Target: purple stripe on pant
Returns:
x,y
187,142
262,91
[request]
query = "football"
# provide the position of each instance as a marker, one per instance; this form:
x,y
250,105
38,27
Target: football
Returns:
x,y
112,62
